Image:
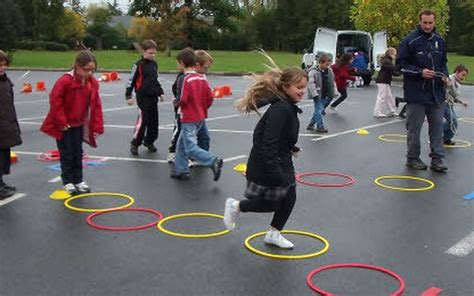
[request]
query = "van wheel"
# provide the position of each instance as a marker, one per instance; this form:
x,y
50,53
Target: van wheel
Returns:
x,y
367,79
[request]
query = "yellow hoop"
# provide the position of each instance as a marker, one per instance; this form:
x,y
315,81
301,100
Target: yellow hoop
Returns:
x,y
188,235
385,138
288,257
430,183
463,144
98,194
466,119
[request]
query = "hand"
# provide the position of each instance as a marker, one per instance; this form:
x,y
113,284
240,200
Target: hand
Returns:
x,y
428,74
296,153
175,103
445,81
162,98
130,101
66,128
464,104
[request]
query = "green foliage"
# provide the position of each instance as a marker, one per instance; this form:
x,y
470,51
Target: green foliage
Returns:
x,y
41,45
97,20
461,27
11,24
397,17
72,28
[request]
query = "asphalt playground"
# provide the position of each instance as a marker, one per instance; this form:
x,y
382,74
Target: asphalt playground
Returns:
x,y
425,237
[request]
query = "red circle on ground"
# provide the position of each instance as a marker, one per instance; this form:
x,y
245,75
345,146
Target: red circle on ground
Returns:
x,y
109,228
299,178
315,288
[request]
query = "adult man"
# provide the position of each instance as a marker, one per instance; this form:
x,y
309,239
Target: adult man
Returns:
x,y
422,60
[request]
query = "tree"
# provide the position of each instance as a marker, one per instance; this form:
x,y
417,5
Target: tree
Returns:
x,y
97,20
461,25
72,28
12,24
397,17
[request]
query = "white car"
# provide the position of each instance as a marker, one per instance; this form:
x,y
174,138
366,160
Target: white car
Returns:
x,y
335,43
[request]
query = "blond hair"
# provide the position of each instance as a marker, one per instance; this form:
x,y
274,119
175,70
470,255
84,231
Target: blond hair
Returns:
x,y
267,86
202,57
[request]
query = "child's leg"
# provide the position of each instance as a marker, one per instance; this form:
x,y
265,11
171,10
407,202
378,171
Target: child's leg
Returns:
x,y
5,164
390,100
380,103
257,205
181,160
140,127
283,209
318,116
341,98
66,150
176,132
450,125
151,115
77,133
313,118
204,141
189,132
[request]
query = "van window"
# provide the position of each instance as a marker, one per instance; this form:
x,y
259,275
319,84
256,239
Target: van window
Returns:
x,y
352,42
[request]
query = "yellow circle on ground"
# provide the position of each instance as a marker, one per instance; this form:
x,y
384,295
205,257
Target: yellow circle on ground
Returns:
x,y
430,183
399,138
60,194
189,235
466,119
462,144
98,194
289,257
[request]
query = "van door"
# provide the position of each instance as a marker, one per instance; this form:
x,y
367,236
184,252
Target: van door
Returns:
x,y
379,48
325,41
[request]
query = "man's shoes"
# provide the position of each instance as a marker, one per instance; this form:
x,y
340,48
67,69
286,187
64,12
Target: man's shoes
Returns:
x,y
181,177
449,142
82,188
217,168
416,164
151,147
5,193
322,130
134,149
71,189
437,165
310,127
171,157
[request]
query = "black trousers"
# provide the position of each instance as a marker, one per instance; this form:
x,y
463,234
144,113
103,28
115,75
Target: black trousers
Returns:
x,y
176,131
70,148
5,161
282,207
146,128
339,100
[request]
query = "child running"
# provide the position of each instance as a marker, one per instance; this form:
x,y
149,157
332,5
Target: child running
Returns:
x,y
321,89
75,115
9,128
342,69
385,104
270,172
144,79
450,126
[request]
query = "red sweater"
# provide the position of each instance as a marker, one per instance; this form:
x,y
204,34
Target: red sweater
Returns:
x,y
73,104
342,74
196,98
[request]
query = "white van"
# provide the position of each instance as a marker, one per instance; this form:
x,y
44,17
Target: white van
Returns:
x,y
335,43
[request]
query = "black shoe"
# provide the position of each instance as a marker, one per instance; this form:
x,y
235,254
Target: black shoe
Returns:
x,y
182,177
437,165
5,193
449,142
151,147
134,149
217,168
323,112
416,164
397,101
321,130
310,127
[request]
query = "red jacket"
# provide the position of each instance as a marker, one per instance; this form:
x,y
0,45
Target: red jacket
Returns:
x,y
342,74
74,104
196,98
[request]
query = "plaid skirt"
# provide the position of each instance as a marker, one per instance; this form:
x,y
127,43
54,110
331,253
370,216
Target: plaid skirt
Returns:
x,y
266,192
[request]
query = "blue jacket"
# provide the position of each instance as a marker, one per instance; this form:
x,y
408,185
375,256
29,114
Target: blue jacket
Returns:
x,y
418,51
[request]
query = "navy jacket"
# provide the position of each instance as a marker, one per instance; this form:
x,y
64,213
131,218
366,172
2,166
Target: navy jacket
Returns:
x,y
418,51
144,79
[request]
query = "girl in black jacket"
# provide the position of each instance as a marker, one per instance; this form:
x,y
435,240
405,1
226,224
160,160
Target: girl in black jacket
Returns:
x,y
9,128
270,173
385,105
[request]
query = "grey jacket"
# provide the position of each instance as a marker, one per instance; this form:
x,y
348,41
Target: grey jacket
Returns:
x,y
452,91
315,83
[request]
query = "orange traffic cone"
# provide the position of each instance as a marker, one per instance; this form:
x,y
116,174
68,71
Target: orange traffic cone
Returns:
x,y
227,90
40,86
105,77
114,76
13,157
27,88
218,93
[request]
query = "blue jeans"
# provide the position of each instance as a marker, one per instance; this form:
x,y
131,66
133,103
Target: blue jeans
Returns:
x,y
187,147
204,141
451,125
319,105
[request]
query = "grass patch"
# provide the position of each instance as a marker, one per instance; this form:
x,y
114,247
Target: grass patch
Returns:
x,y
224,61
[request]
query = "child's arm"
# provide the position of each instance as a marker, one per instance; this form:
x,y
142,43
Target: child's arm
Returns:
x,y
56,101
131,84
312,87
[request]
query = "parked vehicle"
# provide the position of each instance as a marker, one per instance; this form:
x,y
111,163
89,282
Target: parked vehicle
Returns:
x,y
335,43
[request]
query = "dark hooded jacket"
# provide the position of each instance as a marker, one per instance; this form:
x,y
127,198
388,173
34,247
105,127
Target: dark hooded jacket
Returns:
x,y
9,128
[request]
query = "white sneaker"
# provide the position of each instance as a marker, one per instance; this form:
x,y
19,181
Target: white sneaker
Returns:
x,y
231,213
193,163
274,237
171,157
70,188
333,109
381,115
82,188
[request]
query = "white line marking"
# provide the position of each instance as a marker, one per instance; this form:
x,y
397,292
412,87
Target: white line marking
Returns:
x,y
12,198
102,157
356,129
234,158
23,76
31,102
464,247
55,180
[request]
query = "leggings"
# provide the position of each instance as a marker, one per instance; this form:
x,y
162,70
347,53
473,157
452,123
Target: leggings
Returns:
x,y
282,207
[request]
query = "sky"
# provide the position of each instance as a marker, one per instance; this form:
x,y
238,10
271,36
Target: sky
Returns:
x,y
124,4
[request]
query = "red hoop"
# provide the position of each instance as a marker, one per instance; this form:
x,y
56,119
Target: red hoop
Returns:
x,y
109,228
313,287
299,178
54,155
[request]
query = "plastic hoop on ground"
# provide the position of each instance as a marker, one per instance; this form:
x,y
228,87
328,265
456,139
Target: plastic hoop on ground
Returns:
x,y
189,235
386,138
110,228
431,185
462,144
315,288
466,119
300,176
98,194
288,257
